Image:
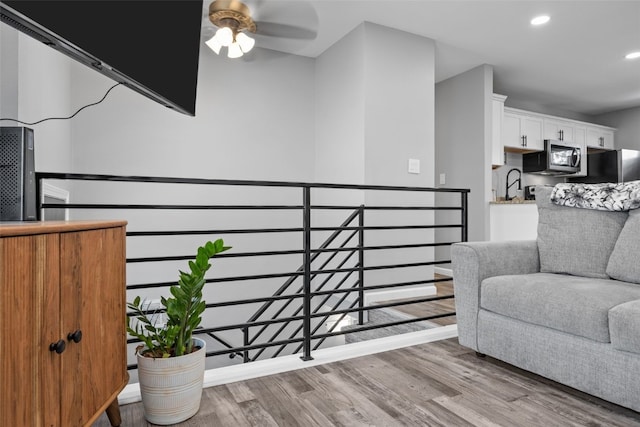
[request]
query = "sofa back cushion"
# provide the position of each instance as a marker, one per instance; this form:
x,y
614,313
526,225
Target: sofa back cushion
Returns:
x,y
573,240
624,262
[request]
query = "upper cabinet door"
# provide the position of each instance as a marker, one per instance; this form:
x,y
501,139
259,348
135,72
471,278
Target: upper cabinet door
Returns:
x,y
511,136
522,132
559,130
532,131
599,138
497,149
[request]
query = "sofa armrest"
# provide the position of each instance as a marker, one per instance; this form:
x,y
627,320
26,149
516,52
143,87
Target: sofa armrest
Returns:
x,y
472,262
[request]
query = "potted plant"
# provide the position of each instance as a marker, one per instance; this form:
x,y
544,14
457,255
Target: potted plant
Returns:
x,y
171,360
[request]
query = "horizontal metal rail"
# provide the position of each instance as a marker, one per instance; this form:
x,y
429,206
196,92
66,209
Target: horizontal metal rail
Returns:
x,y
236,182
239,207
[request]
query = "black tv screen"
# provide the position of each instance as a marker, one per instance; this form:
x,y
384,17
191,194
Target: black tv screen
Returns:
x,y
151,46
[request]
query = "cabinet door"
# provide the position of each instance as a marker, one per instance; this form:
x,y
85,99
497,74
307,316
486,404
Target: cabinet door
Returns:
x,y
599,138
531,128
580,135
497,150
29,309
522,132
558,129
608,139
92,276
511,136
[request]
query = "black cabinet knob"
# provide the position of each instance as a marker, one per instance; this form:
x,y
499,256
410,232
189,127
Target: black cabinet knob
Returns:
x,y
75,336
58,347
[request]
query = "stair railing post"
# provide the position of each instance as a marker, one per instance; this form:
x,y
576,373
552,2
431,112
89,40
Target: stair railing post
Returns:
x,y
306,300
465,217
245,353
361,264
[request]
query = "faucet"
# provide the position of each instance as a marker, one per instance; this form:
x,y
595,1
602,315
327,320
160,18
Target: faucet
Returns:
x,y
518,180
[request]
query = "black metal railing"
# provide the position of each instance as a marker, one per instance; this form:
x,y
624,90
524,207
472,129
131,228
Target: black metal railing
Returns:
x,y
328,269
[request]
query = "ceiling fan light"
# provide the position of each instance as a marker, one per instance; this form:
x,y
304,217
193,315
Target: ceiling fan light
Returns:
x,y
214,44
246,43
234,50
224,36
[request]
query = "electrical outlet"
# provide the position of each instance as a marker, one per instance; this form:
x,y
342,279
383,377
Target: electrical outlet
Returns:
x,y
443,179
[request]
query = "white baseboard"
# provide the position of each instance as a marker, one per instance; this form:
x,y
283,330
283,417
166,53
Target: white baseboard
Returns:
x,y
443,271
392,294
230,374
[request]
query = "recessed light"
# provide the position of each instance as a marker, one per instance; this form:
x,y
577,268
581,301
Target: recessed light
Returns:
x,y
633,55
539,20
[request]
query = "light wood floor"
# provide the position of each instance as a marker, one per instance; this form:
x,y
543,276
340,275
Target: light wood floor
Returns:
x,y
434,307
435,384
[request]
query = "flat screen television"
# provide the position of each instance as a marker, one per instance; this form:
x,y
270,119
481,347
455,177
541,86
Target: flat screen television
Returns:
x,y
149,46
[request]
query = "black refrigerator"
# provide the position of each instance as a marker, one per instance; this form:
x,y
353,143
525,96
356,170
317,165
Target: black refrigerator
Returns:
x,y
611,166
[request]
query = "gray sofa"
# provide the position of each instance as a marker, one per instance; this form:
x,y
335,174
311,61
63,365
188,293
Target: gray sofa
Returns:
x,y
565,306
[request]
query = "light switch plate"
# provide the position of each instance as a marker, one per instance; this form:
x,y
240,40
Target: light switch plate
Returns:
x,y
414,165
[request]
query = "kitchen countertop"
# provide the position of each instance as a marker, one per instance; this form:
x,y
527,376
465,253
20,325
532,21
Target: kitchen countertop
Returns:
x,y
515,201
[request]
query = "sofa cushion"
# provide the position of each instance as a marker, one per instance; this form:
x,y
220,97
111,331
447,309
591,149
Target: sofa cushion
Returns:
x,y
624,262
571,304
575,241
624,326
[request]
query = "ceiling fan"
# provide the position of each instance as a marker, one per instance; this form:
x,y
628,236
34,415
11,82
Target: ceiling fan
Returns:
x,y
235,28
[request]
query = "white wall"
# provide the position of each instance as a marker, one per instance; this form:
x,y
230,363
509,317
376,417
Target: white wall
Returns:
x,y
254,120
35,82
627,123
463,150
399,106
340,111
8,73
375,107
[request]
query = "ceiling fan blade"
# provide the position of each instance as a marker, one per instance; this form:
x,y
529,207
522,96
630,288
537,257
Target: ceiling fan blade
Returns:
x,y
273,29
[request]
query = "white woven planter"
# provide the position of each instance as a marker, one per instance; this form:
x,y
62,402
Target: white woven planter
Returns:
x,y
171,388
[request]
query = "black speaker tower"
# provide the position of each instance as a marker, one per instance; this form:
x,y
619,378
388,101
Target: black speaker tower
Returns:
x,y
17,175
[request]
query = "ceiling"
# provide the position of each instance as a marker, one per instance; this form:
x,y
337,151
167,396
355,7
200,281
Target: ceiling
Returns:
x,y
574,63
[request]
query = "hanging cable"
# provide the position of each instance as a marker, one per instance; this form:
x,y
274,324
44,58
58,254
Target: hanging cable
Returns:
x,y
65,118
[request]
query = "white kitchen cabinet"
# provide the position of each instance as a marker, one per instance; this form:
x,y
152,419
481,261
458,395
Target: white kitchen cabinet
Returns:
x,y
580,134
560,130
600,137
517,221
521,132
497,149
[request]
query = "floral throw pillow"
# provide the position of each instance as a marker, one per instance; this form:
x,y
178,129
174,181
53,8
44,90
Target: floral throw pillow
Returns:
x,y
618,197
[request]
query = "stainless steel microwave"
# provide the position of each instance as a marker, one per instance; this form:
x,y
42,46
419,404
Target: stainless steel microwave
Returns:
x,y
558,158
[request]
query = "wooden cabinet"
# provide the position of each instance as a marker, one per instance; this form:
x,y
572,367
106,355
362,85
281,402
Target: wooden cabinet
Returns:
x,y
600,137
521,132
62,282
